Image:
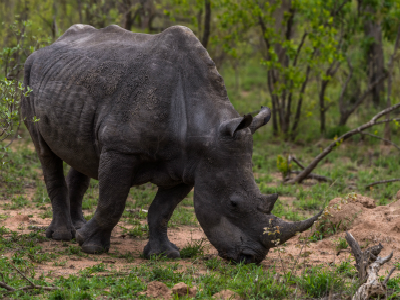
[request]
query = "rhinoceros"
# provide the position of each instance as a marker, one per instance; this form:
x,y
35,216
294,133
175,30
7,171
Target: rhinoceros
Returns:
x,y
126,109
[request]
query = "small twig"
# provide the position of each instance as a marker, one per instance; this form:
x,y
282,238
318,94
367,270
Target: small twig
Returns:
x,y
383,139
22,274
381,181
343,251
298,163
388,276
32,286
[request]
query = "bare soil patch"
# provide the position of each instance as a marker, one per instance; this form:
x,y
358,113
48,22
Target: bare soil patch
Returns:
x,y
369,224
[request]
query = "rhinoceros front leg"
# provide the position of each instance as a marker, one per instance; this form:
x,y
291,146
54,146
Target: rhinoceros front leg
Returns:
x,y
115,179
160,212
78,184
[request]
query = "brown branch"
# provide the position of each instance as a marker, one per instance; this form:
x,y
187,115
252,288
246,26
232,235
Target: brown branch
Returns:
x,y
299,48
32,286
381,181
22,274
314,176
300,177
383,139
333,13
263,30
366,93
299,103
388,276
293,158
6,286
207,20
346,83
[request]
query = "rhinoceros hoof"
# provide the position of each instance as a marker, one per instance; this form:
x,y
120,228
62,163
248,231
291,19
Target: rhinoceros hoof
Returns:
x,y
60,233
166,249
93,242
79,223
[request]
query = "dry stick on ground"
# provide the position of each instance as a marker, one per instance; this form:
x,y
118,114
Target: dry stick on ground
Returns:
x,y
368,264
381,181
389,142
374,121
314,176
32,286
309,176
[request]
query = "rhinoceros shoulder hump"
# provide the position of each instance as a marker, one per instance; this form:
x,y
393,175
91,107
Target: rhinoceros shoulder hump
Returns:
x,y
76,30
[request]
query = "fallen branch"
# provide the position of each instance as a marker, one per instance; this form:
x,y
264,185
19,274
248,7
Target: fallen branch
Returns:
x,y
32,286
313,176
303,174
309,176
368,264
297,162
381,181
383,139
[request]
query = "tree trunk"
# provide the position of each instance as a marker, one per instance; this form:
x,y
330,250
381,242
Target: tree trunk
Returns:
x,y
80,11
54,24
199,16
344,116
322,109
274,118
374,55
128,20
207,21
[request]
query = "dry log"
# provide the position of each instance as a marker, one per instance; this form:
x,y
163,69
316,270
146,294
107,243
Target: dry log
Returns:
x,y
368,264
314,176
292,158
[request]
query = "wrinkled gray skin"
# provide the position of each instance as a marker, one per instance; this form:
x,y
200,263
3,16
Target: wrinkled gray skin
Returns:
x,y
126,109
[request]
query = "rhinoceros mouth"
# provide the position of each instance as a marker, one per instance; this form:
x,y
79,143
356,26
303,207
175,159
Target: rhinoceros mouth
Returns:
x,y
246,256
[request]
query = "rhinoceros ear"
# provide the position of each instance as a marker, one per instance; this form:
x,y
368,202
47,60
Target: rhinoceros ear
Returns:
x,y
229,127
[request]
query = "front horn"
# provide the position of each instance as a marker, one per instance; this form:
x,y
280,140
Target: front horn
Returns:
x,y
279,231
261,119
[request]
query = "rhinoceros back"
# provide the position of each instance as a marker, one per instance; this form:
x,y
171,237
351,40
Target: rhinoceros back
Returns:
x,y
110,87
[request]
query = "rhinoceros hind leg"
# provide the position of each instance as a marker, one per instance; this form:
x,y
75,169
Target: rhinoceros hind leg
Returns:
x,y
115,179
61,226
78,184
160,212
93,238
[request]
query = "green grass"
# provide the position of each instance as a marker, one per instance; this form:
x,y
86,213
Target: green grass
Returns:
x,y
318,281
193,249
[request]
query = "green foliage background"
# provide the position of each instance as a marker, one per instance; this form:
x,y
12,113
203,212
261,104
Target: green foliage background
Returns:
x,y
294,56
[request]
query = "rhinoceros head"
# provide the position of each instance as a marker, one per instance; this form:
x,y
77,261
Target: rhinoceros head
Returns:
x,y
234,214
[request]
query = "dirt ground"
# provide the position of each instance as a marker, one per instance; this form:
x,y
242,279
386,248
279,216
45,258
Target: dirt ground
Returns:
x,y
370,225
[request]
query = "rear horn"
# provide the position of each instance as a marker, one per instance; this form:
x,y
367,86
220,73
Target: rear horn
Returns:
x,y
261,119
